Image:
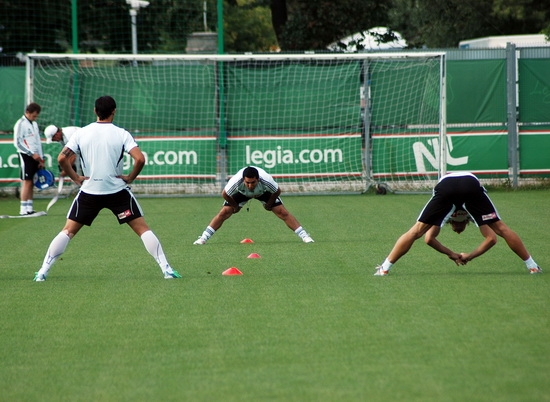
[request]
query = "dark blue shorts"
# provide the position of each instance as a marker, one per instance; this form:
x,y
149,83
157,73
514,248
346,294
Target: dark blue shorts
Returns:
x,y
242,199
29,166
465,192
86,207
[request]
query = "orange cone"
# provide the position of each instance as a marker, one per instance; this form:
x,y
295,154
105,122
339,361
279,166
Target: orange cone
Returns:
x,y
232,271
246,241
254,255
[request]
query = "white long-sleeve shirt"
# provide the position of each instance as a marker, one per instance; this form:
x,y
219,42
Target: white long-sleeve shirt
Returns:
x,y
26,137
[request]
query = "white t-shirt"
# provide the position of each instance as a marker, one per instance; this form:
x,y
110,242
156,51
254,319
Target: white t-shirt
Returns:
x,y
265,184
26,137
101,147
458,174
67,134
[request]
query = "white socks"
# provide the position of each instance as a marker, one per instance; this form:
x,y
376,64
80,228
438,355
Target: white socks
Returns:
x,y
60,242
154,248
208,233
530,263
26,207
57,247
386,265
301,232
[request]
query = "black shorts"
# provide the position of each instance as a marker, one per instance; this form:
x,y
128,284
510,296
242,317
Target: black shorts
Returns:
x,y
242,199
464,192
86,207
29,166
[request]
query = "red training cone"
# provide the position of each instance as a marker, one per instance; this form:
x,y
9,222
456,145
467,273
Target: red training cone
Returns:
x,y
254,255
232,271
246,241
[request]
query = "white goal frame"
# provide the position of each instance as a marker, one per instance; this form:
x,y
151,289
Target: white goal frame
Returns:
x,y
293,183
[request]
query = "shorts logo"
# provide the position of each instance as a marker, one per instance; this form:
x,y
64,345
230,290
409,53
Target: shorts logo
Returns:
x,y
492,215
124,214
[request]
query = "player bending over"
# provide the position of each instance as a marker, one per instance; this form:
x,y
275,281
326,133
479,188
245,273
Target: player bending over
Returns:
x,y
252,182
458,193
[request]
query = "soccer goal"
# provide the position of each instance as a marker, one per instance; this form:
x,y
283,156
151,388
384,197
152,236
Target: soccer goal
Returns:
x,y
319,123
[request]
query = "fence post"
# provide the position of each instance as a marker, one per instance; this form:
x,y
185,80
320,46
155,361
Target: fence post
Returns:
x,y
512,122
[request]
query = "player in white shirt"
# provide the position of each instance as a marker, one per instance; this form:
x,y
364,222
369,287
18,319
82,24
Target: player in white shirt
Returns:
x,y
62,136
248,183
26,139
457,198
103,185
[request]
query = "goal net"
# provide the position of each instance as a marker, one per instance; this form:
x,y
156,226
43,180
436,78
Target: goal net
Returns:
x,y
319,123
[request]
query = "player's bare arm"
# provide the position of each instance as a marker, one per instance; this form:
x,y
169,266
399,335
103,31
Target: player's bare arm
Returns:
x,y
64,159
139,162
232,203
72,161
40,161
431,240
269,204
489,240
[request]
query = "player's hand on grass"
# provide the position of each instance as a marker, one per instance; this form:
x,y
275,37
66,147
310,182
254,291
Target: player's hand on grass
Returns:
x,y
457,258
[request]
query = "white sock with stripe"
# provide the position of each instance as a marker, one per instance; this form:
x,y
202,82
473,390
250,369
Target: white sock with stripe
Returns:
x,y
57,247
152,244
208,233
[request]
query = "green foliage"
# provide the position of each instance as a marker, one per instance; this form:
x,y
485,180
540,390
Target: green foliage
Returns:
x,y
306,322
443,23
314,25
248,28
163,26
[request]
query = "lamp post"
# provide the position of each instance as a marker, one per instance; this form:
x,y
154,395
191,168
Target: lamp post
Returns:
x,y
135,5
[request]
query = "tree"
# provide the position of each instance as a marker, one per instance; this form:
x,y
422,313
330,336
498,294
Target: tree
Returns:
x,y
307,25
443,23
248,27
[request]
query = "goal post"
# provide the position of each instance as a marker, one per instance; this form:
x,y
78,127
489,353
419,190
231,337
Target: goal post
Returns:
x,y
319,123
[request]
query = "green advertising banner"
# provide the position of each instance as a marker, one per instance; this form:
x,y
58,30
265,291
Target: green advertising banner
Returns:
x,y
476,91
189,159
534,151
534,90
148,98
12,96
405,156
299,156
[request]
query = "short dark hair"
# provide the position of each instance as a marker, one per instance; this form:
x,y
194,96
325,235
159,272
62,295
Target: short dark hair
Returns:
x,y
251,172
104,107
33,107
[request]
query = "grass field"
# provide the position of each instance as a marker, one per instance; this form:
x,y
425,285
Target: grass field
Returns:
x,y
305,322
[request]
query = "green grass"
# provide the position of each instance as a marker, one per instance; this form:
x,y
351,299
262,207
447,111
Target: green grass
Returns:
x,y
305,322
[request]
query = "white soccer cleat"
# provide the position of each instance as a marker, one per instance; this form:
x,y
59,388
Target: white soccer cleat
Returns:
x,y
171,274
307,239
380,272
39,278
200,241
536,270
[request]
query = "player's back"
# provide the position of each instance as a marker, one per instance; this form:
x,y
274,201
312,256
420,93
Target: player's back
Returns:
x,y
102,147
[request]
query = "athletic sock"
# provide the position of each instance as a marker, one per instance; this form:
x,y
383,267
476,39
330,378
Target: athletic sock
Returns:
x,y
30,207
530,263
386,265
208,233
301,232
152,244
23,207
57,247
